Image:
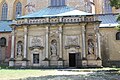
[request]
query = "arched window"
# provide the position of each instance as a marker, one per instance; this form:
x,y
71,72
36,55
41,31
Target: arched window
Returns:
x,y
57,3
4,11
3,42
18,9
107,7
118,36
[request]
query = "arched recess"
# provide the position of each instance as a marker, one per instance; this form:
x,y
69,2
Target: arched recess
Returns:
x,y
3,42
19,47
118,36
90,46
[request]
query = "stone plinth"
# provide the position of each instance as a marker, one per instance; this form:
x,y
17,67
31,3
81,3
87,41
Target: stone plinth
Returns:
x,y
84,63
60,64
46,64
11,63
99,63
24,63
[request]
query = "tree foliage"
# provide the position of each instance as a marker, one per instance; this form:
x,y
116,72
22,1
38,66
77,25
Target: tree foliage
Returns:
x,y
115,3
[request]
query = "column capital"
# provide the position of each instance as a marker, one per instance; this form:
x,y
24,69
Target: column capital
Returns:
x,y
83,24
13,27
25,30
13,32
60,29
47,29
61,25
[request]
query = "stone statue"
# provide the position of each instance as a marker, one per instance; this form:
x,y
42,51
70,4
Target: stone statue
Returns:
x,y
53,47
88,6
30,7
19,48
90,47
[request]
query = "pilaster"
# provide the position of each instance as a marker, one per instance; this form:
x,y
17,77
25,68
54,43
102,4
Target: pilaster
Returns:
x,y
84,61
46,60
24,62
11,62
83,42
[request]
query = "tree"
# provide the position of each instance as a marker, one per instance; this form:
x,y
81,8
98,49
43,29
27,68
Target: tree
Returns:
x,y
116,4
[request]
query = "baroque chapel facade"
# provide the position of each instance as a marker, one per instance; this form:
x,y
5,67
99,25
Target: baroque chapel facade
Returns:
x,y
56,38
62,34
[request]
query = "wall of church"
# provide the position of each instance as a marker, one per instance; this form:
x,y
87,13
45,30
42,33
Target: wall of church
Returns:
x,y
11,7
6,49
110,47
29,6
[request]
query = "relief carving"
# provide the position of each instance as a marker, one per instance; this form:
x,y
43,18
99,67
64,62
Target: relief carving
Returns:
x,y
72,41
36,42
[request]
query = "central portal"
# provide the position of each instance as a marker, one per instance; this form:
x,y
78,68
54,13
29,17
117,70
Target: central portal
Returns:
x,y
72,60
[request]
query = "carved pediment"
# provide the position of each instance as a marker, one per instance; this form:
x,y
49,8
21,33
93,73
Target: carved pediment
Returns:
x,y
36,47
72,46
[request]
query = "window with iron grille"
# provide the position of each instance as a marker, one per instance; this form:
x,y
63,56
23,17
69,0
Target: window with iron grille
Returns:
x,y
36,58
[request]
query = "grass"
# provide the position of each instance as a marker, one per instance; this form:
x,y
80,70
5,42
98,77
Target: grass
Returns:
x,y
19,74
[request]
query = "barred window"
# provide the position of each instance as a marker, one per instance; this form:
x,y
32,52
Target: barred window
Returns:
x,y
118,36
4,11
18,9
36,58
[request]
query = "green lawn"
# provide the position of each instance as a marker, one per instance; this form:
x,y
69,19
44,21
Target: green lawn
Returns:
x,y
17,74
13,74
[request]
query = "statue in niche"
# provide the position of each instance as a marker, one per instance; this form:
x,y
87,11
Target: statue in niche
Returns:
x,y
53,47
90,46
19,48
